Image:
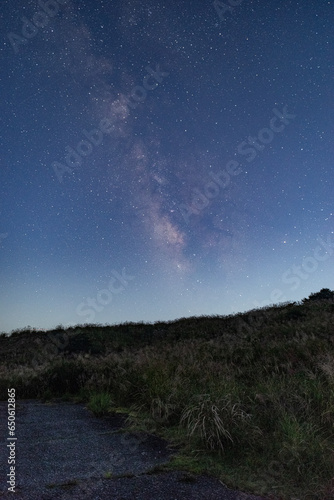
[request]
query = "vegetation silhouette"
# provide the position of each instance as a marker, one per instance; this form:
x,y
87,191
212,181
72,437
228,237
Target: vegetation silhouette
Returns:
x,y
248,397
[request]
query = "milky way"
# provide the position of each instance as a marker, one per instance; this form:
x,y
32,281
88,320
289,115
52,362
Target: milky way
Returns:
x,y
163,160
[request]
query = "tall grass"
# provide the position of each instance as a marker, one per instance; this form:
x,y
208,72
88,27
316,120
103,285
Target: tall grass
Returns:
x,y
100,404
252,404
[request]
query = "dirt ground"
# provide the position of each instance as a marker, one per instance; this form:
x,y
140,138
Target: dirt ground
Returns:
x,y
63,452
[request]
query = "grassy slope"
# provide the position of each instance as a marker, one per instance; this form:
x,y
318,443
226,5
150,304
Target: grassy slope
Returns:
x,y
249,398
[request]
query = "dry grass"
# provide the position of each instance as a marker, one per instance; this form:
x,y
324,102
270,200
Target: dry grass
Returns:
x,y
242,393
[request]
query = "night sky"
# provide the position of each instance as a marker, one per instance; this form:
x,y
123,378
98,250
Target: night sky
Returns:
x,y
163,159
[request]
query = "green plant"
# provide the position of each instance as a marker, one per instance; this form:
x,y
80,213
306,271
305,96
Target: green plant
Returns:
x,y
100,404
257,388
213,420
324,294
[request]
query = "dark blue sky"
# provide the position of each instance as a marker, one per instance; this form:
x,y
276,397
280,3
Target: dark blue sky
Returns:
x,y
163,160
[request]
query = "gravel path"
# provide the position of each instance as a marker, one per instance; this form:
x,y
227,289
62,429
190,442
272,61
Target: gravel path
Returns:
x,y
63,452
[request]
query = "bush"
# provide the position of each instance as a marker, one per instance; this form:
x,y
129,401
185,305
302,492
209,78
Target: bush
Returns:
x,y
324,294
64,376
214,421
100,404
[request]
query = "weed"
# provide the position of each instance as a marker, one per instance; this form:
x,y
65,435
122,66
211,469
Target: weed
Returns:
x,y
247,398
100,404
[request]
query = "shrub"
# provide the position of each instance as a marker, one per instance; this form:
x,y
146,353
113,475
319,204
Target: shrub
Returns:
x,y
100,404
213,421
324,294
64,376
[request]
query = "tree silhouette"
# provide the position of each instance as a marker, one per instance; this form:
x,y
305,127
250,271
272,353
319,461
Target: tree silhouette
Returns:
x,y
324,294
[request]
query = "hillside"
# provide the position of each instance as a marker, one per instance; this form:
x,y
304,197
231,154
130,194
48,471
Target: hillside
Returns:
x,y
248,398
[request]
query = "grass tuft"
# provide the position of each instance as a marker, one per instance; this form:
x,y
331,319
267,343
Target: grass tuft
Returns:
x,y
100,404
247,398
